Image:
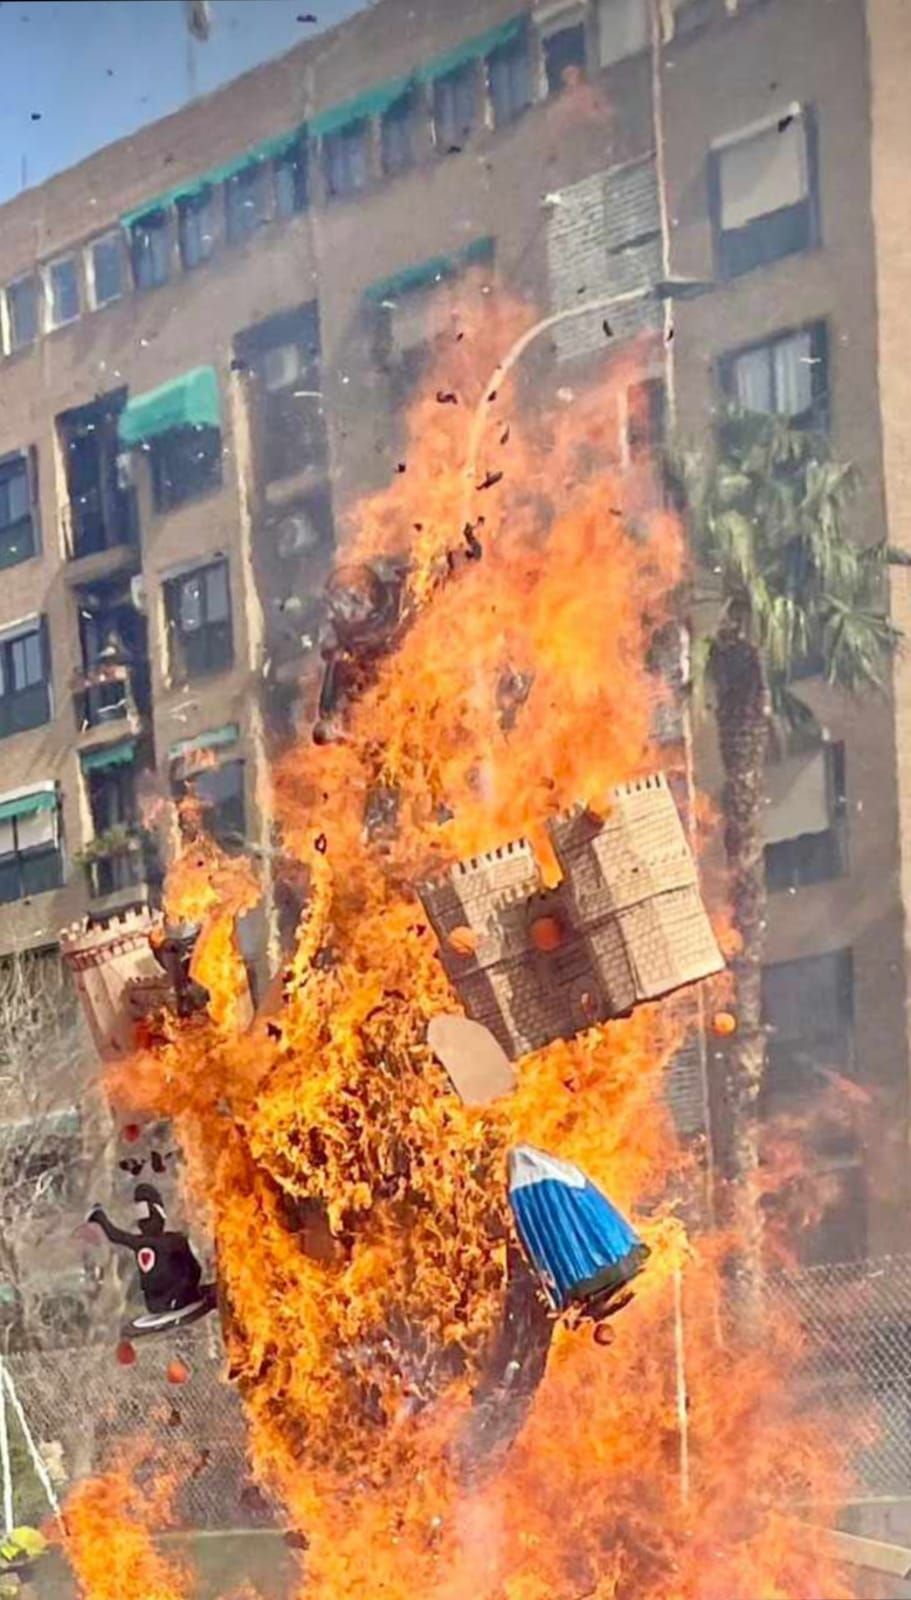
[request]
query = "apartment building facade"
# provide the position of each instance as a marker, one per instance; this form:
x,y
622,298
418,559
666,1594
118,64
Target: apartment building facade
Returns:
x,y
208,331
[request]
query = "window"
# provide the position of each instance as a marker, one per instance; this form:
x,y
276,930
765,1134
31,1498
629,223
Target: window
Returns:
x,y
102,511
289,423
509,77
112,797
397,130
18,509
199,619
30,855
150,250
808,1010
25,691
245,203
22,310
63,291
186,463
346,160
196,228
455,107
623,29
564,51
763,194
787,374
804,819
221,791
645,418
107,269
291,172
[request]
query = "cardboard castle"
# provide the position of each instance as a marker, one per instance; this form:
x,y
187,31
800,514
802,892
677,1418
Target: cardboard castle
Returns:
x,y
626,922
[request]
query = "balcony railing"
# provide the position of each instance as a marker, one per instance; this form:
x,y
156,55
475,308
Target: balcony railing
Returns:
x,y
122,859
94,523
109,691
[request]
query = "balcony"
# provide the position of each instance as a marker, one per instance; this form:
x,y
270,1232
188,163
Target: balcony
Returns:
x,y
121,866
100,532
110,694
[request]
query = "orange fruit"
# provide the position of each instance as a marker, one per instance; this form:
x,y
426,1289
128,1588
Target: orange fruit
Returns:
x,y
125,1354
547,933
177,1371
724,1023
464,941
131,1132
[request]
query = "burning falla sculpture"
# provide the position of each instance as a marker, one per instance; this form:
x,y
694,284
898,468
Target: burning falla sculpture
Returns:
x,y
625,924
128,972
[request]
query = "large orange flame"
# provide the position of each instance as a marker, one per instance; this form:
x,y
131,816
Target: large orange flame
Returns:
x,y
358,1208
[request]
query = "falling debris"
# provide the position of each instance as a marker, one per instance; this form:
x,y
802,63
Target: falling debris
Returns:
x,y
582,1250
608,330
504,436
785,122
477,1066
308,16
445,397
490,481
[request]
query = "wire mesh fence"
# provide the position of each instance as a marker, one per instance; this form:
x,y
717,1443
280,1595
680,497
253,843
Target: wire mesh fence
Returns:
x,y
855,1320
82,1408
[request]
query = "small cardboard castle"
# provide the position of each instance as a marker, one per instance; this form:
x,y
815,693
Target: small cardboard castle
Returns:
x,y
626,922
123,985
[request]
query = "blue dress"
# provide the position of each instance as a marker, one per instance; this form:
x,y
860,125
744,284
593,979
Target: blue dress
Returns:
x,y
580,1246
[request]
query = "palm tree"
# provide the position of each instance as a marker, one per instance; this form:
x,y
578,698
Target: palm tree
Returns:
x,y
792,589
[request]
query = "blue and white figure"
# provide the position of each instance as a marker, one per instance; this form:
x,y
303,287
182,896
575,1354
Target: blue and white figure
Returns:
x,y
579,1245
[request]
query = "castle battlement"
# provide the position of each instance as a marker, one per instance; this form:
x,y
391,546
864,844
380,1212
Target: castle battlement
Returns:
x,y
625,924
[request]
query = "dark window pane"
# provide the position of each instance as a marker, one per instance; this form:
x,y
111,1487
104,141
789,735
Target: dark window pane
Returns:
x,y
150,246
17,532
41,870
564,57
22,304
195,229
285,394
396,136
186,463
107,264
64,285
345,160
455,101
221,789
199,616
291,181
509,74
245,203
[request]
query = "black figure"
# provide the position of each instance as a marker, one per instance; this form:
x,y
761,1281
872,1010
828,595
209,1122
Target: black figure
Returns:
x,y
169,1273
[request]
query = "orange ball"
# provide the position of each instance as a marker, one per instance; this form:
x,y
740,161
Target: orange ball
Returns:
x,y
724,1023
547,933
464,941
177,1371
125,1354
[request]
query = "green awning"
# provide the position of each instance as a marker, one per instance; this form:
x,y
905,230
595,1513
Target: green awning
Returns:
x,y
372,103
109,755
28,805
192,188
425,273
471,50
190,401
215,739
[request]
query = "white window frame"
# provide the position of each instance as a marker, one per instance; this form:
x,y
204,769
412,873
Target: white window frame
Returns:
x,y
92,301
47,275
